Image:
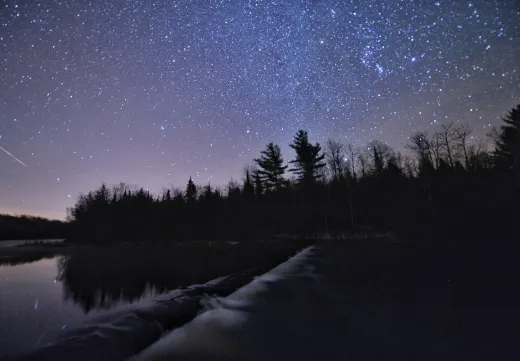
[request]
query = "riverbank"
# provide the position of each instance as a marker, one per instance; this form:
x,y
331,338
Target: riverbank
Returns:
x,y
35,250
364,237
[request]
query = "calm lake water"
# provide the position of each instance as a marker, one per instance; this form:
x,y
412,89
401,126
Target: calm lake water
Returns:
x,y
43,297
33,309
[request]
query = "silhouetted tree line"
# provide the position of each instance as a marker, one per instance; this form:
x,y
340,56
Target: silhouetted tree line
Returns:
x,y
448,185
28,227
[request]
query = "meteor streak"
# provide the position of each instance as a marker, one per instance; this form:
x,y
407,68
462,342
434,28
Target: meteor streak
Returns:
x,y
12,156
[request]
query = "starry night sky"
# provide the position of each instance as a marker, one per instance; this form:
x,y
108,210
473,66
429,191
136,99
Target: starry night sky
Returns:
x,y
152,92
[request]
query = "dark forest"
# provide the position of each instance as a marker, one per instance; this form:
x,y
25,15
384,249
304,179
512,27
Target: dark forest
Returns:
x,y
446,187
29,227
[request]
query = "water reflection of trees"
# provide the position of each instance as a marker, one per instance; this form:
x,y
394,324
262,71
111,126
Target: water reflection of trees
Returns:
x,y
102,277
20,255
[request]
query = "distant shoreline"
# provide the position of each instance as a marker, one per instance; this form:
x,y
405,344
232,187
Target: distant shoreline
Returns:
x,y
21,242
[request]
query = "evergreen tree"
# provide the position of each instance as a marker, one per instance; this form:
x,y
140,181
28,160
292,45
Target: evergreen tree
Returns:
x,y
380,154
249,188
271,167
259,188
167,196
207,193
191,192
308,158
102,195
233,191
507,142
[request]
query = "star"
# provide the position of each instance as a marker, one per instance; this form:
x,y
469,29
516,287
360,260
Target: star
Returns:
x,y
120,91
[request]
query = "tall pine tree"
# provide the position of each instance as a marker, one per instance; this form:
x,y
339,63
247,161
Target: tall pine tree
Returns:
x,y
507,141
309,159
271,167
191,192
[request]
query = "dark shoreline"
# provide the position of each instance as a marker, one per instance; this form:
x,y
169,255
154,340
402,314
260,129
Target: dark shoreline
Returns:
x,y
36,251
366,239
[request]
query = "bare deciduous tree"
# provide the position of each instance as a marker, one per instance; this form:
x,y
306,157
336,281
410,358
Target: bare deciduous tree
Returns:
x,y
410,168
446,136
352,159
435,145
461,136
335,155
362,158
421,145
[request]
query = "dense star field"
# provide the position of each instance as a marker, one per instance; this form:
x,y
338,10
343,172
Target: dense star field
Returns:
x,y
152,92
